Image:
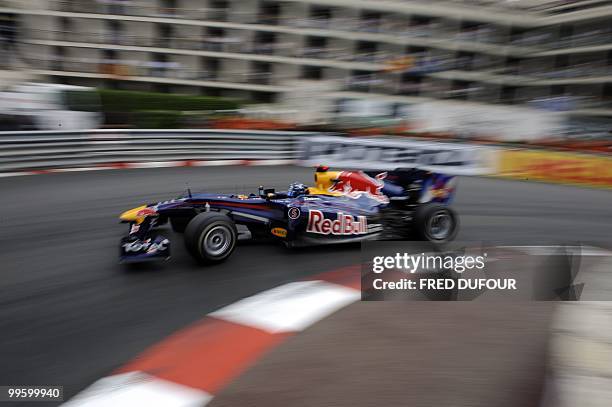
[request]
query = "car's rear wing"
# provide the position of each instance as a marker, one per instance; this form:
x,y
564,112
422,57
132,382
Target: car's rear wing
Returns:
x,y
417,184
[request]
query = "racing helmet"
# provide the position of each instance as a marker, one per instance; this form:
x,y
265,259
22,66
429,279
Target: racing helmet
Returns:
x,y
324,178
296,189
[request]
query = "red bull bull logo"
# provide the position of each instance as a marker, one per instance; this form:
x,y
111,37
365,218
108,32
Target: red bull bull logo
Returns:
x,y
440,190
356,183
342,225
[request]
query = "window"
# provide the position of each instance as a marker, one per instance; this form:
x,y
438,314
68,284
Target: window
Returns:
x,y
558,90
562,61
318,42
165,33
366,51
513,65
517,34
210,66
464,61
213,39
565,32
460,90
360,81
58,60
312,72
261,72
269,13
315,47
264,42
110,54
168,7
508,94
320,16
323,13
114,29
159,65
370,21
410,85
65,28
218,10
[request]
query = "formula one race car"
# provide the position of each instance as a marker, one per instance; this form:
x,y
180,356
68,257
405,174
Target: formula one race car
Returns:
x,y
343,206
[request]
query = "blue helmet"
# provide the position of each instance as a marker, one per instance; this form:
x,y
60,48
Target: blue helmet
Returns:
x,y
296,189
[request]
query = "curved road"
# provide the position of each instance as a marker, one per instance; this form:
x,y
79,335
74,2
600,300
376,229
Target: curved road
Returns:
x,y
69,314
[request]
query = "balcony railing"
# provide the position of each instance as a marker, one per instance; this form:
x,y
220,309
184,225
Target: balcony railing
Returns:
x,y
126,69
380,83
485,34
390,26
419,64
205,43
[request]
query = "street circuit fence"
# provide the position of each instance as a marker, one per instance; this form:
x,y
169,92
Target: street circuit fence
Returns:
x,y
42,150
23,151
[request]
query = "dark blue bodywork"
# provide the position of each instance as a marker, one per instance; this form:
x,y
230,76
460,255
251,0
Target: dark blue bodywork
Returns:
x,y
305,219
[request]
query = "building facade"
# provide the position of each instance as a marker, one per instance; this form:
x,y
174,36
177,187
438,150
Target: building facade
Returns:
x,y
555,55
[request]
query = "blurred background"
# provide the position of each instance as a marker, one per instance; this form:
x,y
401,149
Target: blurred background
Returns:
x,y
513,70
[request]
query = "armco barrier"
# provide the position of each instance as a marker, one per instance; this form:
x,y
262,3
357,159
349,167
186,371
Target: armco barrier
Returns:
x,y
22,151
44,150
559,167
33,151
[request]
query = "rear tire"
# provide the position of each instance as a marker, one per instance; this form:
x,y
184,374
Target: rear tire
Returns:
x,y
211,237
436,223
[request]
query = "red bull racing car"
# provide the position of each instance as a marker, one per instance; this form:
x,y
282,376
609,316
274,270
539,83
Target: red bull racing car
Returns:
x,y
342,206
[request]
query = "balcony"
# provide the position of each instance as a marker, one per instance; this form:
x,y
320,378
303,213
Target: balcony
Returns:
x,y
169,72
198,44
396,27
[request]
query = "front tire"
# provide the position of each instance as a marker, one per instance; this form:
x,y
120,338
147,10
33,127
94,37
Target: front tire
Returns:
x,y
436,223
211,237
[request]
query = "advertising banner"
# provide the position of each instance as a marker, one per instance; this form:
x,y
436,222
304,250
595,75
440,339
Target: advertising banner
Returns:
x,y
391,153
552,166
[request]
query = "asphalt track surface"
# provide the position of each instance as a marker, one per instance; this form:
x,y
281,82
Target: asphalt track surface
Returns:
x,y
69,314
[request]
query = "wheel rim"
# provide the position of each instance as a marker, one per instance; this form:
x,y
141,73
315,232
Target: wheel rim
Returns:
x,y
440,225
217,241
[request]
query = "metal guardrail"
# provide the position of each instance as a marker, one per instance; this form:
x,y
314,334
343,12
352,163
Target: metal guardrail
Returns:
x,y
21,151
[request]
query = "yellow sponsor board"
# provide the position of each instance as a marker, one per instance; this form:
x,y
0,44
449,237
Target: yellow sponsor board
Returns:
x,y
553,166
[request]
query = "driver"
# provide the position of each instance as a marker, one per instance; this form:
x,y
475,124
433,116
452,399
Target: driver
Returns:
x,y
296,189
